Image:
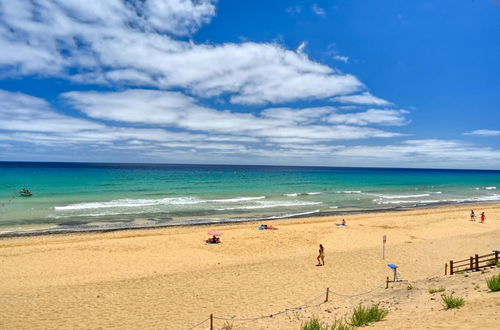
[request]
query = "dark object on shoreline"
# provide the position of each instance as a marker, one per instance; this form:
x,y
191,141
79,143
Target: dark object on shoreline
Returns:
x,y
25,193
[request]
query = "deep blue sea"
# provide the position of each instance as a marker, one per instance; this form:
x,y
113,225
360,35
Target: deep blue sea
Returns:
x,y
77,196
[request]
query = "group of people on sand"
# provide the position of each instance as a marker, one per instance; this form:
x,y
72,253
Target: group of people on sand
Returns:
x,y
213,240
473,216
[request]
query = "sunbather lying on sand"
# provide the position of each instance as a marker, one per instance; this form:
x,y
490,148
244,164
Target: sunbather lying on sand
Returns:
x,y
262,227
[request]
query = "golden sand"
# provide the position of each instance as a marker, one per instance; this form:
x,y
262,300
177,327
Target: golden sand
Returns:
x,y
169,279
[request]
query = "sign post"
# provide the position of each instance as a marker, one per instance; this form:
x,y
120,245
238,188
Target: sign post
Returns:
x,y
384,239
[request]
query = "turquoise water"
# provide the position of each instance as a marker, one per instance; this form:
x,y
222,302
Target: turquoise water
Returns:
x,y
68,196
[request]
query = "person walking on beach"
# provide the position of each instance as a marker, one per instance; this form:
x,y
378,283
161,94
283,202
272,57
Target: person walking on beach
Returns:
x,y
321,256
483,217
472,215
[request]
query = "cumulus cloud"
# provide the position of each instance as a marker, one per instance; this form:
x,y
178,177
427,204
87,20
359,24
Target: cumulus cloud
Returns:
x,y
363,98
134,43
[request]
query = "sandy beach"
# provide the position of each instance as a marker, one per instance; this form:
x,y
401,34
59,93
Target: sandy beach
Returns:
x,y
168,278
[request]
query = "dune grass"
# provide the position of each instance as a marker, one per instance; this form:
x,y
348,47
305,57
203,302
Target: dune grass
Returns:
x,y
361,316
314,324
340,325
365,315
435,290
494,283
450,302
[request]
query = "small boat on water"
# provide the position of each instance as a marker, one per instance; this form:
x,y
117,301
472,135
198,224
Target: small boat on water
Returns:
x,y
25,193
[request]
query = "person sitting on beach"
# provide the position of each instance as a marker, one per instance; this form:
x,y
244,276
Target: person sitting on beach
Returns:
x,y
321,256
212,240
343,222
472,215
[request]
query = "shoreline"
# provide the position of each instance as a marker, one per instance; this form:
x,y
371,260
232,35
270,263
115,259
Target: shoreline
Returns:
x,y
159,224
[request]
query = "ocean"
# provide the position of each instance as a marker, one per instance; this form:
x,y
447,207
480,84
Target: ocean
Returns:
x,y
80,196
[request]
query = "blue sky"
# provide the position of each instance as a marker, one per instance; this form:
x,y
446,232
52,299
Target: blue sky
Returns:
x,y
330,83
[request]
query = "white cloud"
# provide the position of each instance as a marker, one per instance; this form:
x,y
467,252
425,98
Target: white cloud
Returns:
x,y
276,135
169,109
344,59
173,122
21,112
301,47
484,132
303,116
387,117
429,152
318,10
363,98
178,16
133,106
133,44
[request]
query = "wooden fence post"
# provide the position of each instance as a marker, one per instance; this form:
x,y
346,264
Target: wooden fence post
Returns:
x,y
211,321
451,267
496,257
327,291
477,262
445,268
387,283
471,264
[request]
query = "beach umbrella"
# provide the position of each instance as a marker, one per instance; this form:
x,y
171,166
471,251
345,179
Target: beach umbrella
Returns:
x,y
215,233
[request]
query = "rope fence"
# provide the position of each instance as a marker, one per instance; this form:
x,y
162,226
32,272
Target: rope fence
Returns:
x,y
301,307
198,324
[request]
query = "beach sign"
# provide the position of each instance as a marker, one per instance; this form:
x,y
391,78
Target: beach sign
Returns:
x,y
384,240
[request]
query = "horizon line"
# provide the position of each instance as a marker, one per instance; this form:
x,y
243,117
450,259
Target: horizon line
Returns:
x,y
247,165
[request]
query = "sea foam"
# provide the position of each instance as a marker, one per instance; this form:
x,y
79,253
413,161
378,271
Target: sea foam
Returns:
x,y
266,205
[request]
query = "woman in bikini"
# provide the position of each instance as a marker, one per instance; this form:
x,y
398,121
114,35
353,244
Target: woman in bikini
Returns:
x,y
321,256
